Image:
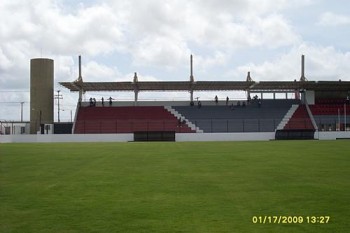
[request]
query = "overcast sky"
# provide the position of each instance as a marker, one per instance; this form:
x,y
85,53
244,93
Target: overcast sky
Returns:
x,y
156,37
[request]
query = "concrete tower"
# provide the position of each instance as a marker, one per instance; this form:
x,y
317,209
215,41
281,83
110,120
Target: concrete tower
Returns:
x,y
41,93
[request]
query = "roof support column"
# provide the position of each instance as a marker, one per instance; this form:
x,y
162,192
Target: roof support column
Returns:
x,y
191,78
136,87
136,95
249,79
79,81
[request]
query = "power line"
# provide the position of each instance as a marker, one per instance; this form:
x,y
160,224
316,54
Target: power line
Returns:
x,y
17,102
12,91
13,102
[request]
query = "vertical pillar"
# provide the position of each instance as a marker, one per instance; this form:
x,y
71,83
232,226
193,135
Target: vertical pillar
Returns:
x,y
41,93
249,79
80,79
191,69
303,78
136,95
136,88
191,78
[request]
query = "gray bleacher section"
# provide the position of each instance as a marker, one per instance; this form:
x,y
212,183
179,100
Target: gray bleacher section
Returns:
x,y
329,122
251,118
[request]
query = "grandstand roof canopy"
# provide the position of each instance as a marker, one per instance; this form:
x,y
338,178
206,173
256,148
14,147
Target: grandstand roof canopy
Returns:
x,y
191,85
209,86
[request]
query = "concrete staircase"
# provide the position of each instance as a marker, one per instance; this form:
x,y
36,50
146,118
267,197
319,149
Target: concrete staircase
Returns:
x,y
179,116
287,117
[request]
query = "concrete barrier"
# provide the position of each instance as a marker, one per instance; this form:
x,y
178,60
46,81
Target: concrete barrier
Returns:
x,y
179,137
66,138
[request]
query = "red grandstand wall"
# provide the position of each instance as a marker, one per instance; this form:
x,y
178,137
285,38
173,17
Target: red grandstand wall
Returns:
x,y
130,119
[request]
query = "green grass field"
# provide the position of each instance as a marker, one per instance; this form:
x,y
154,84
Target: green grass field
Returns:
x,y
173,187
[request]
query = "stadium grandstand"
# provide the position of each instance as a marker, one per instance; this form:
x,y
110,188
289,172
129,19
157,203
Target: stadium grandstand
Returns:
x,y
308,110
316,105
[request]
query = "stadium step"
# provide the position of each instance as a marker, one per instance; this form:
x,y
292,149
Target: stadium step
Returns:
x,y
300,120
287,117
179,116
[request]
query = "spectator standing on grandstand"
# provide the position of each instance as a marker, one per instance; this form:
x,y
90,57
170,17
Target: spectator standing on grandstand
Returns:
x,y
216,99
199,104
103,102
110,100
91,103
227,99
94,100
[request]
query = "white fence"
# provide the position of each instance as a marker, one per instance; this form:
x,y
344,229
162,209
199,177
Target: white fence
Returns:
x,y
180,137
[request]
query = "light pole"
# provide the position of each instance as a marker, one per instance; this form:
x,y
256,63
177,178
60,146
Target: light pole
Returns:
x,y
58,97
22,111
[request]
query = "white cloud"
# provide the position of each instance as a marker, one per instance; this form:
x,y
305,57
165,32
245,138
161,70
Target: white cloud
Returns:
x,y
96,72
333,19
94,30
65,69
5,63
160,51
152,33
156,37
272,31
157,32
321,63
204,63
248,7
43,24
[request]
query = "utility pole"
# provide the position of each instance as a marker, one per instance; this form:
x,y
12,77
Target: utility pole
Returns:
x,y
58,97
22,111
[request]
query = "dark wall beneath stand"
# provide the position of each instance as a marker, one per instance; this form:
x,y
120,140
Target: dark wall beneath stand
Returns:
x,y
294,134
154,136
63,128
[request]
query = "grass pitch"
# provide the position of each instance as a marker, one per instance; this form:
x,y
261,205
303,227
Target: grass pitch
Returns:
x,y
174,187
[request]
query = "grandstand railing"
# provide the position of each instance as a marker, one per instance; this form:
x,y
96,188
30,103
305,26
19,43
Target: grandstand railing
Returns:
x,y
207,125
236,125
332,123
129,126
